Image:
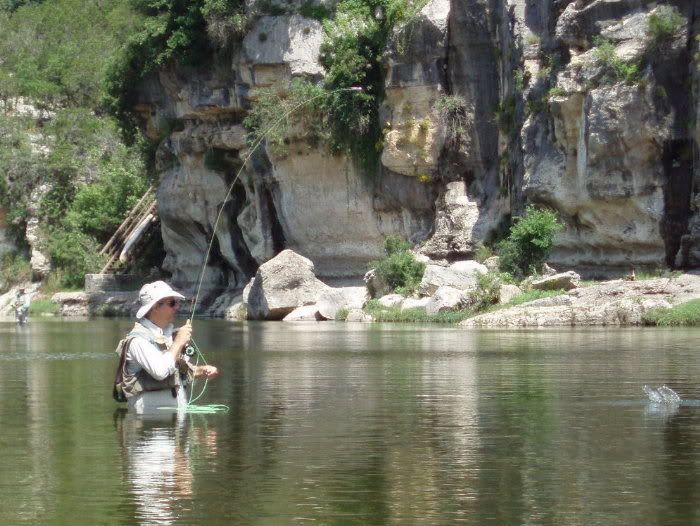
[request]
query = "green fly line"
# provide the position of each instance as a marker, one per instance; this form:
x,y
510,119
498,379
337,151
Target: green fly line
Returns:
x,y
220,408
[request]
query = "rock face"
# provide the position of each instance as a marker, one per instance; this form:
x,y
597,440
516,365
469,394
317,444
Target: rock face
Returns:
x,y
489,106
304,199
605,150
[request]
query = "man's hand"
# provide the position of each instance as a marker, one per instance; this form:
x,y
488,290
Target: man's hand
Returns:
x,y
182,338
184,335
206,371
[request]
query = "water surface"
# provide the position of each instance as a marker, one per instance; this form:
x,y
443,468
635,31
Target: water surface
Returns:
x,y
335,423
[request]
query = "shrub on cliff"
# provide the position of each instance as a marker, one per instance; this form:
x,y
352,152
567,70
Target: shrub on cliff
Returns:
x,y
615,68
529,243
399,269
351,53
664,25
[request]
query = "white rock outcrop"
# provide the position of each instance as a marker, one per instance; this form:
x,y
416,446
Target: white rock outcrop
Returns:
x,y
333,299
564,280
613,303
305,313
460,275
445,299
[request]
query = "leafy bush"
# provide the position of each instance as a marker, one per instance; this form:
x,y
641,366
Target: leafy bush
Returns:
x,y
54,282
42,306
56,51
312,9
225,19
273,114
616,69
506,115
346,120
530,242
14,269
75,253
682,315
488,290
20,172
342,314
399,269
664,25
483,252
169,30
99,208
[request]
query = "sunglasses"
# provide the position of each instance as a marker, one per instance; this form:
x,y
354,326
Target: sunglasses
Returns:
x,y
171,303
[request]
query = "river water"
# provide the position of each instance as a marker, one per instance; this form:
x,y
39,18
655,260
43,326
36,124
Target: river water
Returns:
x,y
334,423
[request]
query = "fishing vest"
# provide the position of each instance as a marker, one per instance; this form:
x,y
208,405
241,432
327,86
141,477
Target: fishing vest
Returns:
x,y
127,385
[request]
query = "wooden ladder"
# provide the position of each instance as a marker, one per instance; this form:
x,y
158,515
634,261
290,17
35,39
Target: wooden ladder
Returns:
x,y
138,214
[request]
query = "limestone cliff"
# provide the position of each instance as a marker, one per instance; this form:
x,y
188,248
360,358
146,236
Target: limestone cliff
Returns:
x,y
487,106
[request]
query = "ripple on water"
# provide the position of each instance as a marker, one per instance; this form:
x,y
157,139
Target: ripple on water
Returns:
x,y
52,356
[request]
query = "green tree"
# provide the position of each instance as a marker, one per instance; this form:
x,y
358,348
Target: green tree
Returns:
x,y
530,242
399,269
56,52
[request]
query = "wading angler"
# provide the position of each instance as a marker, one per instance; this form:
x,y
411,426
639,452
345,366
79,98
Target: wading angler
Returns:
x,y
155,370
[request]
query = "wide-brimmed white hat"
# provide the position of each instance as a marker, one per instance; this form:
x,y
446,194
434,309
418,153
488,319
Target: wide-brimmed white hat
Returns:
x,y
152,293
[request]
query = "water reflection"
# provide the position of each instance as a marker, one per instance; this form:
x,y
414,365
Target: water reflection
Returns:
x,y
341,424
157,461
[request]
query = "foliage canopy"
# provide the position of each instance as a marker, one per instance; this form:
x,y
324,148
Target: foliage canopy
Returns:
x,y
529,242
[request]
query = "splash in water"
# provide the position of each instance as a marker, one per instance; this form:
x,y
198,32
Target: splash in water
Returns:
x,y
662,395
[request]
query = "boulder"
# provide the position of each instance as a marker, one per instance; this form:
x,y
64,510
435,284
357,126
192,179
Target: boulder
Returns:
x,y
376,286
223,304
507,292
548,271
564,280
415,303
358,315
460,275
333,299
493,263
444,299
236,312
305,313
281,285
391,300
72,303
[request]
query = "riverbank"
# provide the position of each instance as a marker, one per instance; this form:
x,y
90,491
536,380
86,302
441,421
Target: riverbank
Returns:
x,y
286,288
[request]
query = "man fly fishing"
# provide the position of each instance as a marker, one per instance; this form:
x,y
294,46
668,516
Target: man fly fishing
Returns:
x,y
154,371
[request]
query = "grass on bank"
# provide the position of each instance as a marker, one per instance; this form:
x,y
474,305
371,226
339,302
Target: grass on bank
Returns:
x,y
417,315
40,307
682,315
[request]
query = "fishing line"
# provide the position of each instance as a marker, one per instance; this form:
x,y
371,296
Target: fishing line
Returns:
x,y
220,408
